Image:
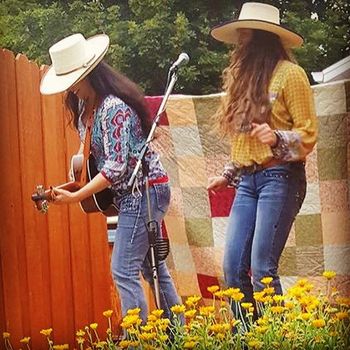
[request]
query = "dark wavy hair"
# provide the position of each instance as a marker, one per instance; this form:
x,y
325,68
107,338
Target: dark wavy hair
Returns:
x,y
246,81
107,81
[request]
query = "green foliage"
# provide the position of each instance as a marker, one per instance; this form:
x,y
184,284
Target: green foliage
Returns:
x,y
147,35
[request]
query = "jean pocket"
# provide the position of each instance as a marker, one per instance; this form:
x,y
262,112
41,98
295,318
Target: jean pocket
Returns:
x,y
130,204
162,192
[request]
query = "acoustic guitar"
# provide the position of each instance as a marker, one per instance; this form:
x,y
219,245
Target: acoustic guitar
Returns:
x,y
99,202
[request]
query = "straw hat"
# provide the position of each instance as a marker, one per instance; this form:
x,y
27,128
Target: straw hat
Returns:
x,y
255,15
73,58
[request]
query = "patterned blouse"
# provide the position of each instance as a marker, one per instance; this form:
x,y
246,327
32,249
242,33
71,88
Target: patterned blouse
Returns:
x,y
293,118
116,141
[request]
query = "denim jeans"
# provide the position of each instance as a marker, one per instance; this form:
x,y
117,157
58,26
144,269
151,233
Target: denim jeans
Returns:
x,y
130,258
261,217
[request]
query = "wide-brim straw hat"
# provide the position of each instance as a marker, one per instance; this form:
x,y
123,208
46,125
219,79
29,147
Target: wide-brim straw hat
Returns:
x,y
73,58
255,15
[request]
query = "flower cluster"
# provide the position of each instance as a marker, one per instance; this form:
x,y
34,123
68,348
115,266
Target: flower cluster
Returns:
x,y
300,319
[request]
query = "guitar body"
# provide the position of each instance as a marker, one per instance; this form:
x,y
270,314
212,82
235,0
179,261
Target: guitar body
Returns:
x,y
99,202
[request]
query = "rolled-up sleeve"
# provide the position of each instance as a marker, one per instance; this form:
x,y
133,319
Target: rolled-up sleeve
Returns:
x,y
115,124
296,143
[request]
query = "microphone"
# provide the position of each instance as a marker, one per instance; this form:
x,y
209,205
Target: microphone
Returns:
x,y
182,59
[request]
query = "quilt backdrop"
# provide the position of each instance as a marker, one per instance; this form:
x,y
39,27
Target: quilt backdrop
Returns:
x,y
192,151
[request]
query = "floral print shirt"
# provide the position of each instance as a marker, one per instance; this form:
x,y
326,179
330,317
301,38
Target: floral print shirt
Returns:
x,y
116,141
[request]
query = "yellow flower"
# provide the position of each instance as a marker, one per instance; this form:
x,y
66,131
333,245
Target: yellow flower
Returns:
x,y
46,332
255,344
278,298
262,329
206,310
229,292
259,296
124,344
246,305
302,282
262,321
190,313
305,316
163,338
80,333
329,274
190,344
277,309
158,313
341,315
135,311
107,313
80,340
152,318
6,335
220,294
61,347
343,301
269,290
266,280
237,297
93,326
213,289
178,309
192,301
25,340
319,323
147,328
148,336
101,344
289,305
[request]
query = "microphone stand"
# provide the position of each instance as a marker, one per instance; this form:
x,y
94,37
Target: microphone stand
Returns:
x,y
152,225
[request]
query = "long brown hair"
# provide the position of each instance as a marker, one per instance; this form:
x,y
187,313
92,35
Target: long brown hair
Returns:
x,y
105,81
246,81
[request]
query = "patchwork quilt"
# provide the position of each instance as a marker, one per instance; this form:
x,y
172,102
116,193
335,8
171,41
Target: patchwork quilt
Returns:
x,y
192,151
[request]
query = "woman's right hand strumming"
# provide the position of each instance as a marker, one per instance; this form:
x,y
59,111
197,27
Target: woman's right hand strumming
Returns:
x,y
217,183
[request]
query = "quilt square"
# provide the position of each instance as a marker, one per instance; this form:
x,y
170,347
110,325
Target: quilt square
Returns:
x,y
196,204
154,103
221,202
206,281
180,111
186,140
308,230
336,228
199,232
310,261
192,171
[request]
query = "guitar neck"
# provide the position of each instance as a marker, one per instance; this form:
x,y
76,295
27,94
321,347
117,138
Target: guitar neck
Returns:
x,y
71,186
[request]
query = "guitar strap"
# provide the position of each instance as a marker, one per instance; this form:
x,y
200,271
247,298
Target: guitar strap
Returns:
x,y
86,150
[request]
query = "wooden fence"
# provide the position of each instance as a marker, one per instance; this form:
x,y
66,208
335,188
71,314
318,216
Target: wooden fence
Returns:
x,y
54,269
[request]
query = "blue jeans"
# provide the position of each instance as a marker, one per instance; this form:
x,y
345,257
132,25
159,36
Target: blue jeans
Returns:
x,y
261,217
131,246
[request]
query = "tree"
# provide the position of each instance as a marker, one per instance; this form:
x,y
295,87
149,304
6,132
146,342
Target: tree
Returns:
x,y
148,35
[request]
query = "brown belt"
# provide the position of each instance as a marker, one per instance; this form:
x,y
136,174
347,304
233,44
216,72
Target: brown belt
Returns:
x,y
250,169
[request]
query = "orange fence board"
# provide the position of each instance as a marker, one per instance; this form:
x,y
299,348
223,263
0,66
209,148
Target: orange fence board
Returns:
x,y
58,223
15,306
32,167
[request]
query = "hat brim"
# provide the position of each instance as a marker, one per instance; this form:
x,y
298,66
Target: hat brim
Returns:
x,y
54,84
227,32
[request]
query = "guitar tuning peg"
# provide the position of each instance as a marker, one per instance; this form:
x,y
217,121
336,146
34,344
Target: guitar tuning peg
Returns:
x,y
44,207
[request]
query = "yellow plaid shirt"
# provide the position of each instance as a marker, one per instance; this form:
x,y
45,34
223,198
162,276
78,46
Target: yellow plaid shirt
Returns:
x,y
292,110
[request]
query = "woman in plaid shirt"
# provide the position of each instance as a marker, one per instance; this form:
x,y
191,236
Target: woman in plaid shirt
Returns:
x,y
268,112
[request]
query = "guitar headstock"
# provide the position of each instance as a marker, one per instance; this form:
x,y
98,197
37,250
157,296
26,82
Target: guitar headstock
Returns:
x,y
41,199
